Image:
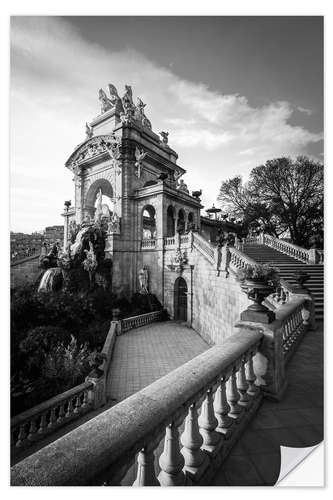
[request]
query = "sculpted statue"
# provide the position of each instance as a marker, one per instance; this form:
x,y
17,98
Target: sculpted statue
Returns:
x,y
139,156
89,131
164,136
114,97
183,187
127,99
106,103
114,224
98,212
143,280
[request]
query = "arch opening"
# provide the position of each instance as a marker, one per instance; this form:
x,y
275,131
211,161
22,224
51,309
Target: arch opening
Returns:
x,y
170,222
148,222
180,299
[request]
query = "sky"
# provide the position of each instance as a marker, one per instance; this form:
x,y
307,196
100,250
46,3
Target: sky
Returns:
x,y
232,92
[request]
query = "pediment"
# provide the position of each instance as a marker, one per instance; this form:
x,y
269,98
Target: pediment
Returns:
x,y
94,147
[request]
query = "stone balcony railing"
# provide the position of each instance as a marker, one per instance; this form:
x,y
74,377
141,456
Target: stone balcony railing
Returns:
x,y
220,383
170,241
137,321
204,247
43,419
148,244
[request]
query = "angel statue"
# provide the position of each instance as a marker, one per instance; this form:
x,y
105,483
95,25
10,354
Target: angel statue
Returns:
x,y
106,103
143,281
89,131
139,156
127,99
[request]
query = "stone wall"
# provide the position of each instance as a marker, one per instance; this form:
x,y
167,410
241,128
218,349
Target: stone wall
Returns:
x,y
25,271
217,301
214,303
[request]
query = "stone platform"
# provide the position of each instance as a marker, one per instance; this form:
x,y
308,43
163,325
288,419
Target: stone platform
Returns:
x,y
145,354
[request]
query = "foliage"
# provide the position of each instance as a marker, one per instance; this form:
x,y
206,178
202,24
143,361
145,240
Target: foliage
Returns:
x,y
259,272
282,195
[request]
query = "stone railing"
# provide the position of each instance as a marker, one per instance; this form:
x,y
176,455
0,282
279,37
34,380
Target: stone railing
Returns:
x,y
184,239
251,240
169,241
220,383
238,260
204,247
298,253
281,337
148,244
319,256
137,321
43,419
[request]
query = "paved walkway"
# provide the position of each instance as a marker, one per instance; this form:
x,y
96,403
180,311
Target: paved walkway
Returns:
x,y
145,354
297,421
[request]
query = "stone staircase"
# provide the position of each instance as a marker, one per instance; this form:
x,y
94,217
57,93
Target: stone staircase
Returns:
x,y
288,266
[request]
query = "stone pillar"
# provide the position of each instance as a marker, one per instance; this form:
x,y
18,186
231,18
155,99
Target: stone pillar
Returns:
x,y
312,256
269,363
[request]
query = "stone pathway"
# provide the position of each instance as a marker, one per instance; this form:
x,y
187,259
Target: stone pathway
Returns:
x,y
145,354
296,421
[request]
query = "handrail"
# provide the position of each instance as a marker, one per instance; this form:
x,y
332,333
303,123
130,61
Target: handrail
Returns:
x,y
140,320
204,247
148,243
240,260
285,247
35,423
109,442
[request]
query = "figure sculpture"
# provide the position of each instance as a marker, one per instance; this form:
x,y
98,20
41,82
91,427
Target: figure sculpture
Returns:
x,y
89,131
183,187
139,156
143,281
114,224
106,104
164,136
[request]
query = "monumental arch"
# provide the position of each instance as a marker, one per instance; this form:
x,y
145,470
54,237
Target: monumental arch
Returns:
x,y
124,160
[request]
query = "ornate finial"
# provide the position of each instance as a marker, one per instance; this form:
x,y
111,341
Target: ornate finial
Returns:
x,y
67,204
140,105
164,136
89,131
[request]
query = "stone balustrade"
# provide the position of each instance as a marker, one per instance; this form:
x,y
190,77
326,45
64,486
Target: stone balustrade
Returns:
x,y
148,244
137,321
210,398
251,240
238,260
281,338
298,253
43,419
184,239
170,241
204,247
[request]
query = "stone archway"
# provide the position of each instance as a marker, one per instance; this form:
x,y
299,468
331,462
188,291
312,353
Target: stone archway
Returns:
x,y
89,202
180,299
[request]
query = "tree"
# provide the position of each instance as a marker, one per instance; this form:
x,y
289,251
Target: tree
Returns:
x,y
283,194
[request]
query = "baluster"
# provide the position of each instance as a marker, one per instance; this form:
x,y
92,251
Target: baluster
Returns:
x,y
233,397
171,461
192,440
251,378
146,471
61,414
53,418
32,430
85,401
21,438
222,408
283,296
69,408
77,404
243,386
42,424
208,423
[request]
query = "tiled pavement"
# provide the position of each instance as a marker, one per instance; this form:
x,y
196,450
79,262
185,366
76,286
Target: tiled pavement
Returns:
x,y
145,354
297,421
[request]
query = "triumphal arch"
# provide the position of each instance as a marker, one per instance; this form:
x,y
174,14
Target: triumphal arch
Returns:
x,y
129,174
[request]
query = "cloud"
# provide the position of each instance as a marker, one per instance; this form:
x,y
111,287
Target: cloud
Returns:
x,y
306,111
55,77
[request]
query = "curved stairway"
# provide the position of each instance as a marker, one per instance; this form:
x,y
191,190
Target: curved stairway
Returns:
x,y
288,266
